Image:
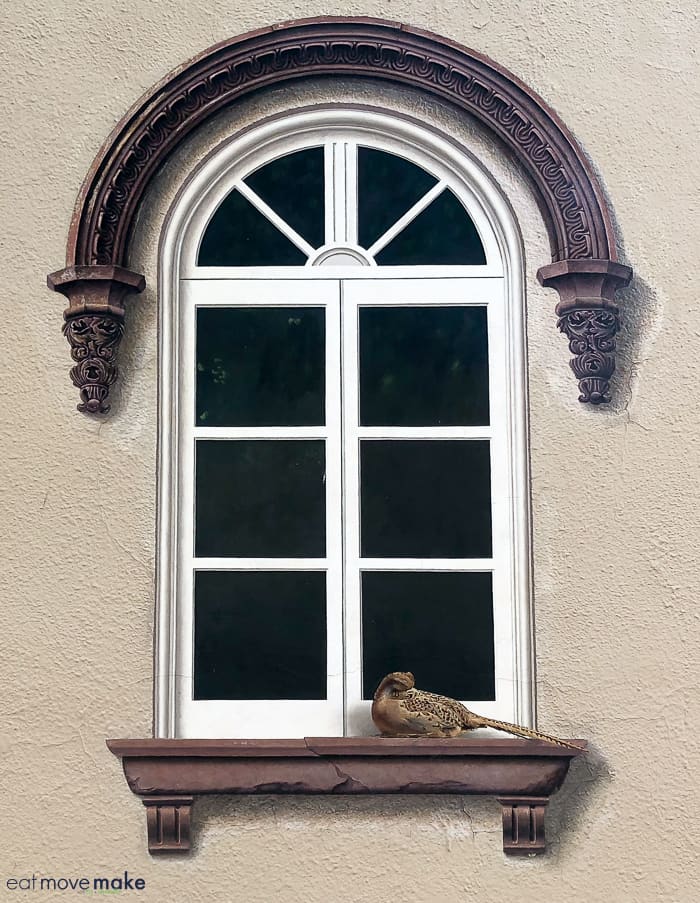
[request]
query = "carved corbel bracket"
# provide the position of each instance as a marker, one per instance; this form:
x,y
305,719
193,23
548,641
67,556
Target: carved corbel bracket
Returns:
x,y
523,824
94,325
168,823
589,318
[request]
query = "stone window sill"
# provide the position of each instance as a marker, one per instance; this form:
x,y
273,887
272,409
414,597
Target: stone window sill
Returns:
x,y
169,774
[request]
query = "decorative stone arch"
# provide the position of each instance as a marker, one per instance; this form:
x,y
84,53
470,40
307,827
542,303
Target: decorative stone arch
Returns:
x,y
584,267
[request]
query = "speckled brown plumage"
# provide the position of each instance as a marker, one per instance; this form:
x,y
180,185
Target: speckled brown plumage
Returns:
x,y
401,710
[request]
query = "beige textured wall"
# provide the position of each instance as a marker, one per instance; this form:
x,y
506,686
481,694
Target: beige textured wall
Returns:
x,y
616,522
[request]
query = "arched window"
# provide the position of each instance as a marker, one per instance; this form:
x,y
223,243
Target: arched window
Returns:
x,y
342,462
343,431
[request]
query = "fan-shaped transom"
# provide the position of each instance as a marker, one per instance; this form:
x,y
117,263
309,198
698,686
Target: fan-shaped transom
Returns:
x,y
341,203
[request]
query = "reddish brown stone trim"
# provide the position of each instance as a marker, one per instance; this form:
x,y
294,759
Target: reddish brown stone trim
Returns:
x,y
94,325
523,824
168,823
168,774
577,216
589,318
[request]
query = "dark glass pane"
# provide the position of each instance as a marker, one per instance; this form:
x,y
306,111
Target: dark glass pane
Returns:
x,y
426,498
258,498
260,366
387,186
423,366
259,635
442,235
238,235
439,626
293,187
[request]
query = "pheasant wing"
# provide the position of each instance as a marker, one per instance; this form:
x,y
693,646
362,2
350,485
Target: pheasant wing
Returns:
x,y
439,713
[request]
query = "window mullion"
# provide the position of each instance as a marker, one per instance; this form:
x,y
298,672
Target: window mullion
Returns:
x,y
407,218
260,432
334,501
341,192
351,196
427,564
351,515
275,219
425,432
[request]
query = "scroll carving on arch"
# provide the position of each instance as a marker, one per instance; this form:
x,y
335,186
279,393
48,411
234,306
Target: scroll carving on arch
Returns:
x,y
584,257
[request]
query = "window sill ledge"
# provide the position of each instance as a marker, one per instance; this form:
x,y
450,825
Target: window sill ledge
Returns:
x,y
169,774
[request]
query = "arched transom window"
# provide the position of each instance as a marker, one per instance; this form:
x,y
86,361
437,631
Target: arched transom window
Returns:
x,y
344,417
341,203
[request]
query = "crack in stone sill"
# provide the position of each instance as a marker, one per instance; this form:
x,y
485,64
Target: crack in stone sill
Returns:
x,y
346,781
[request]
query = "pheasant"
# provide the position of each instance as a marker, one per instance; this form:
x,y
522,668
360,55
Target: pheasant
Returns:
x,y
400,710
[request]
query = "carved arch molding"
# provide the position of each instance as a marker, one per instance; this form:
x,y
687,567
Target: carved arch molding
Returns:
x,y
584,267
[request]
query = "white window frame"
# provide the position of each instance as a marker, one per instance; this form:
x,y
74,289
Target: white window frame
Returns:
x,y
499,284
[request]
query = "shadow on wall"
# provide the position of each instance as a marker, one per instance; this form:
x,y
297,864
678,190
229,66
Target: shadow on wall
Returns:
x,y
379,822
568,813
640,314
397,823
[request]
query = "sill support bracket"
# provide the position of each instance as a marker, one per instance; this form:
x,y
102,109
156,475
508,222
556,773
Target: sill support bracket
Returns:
x,y
169,774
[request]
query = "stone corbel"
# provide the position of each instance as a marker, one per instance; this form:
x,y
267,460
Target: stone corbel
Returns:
x,y
168,823
94,325
589,318
523,824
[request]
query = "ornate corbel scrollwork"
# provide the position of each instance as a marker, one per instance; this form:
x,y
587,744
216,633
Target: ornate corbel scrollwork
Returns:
x,y
94,339
94,325
591,333
589,318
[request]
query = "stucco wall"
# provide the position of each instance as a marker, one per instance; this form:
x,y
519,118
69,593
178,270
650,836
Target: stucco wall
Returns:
x,y
615,511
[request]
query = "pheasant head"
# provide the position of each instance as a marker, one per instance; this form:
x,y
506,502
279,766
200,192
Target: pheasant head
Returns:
x,y
395,683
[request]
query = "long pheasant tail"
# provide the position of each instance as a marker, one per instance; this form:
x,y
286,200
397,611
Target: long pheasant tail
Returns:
x,y
524,732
